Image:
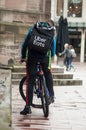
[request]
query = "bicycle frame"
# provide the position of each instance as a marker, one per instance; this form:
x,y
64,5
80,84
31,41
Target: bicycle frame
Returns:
x,y
40,77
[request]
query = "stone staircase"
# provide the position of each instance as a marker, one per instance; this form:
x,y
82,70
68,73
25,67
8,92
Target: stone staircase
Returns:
x,y
59,77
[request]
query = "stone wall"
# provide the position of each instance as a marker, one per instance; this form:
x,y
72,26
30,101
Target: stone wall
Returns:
x,y
27,5
11,38
5,99
16,17
2,3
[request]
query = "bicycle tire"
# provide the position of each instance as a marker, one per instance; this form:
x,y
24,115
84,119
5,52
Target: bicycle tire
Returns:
x,y
44,96
21,88
44,99
23,95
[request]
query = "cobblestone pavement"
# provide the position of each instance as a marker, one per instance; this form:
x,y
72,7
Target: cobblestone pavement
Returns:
x,y
67,113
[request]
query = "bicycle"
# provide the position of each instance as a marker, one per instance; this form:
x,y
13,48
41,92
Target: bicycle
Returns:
x,y
40,91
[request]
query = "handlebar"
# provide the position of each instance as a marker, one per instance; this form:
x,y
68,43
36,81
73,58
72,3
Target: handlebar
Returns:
x,y
23,60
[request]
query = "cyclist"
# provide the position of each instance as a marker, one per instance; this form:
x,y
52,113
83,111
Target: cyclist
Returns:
x,y
32,59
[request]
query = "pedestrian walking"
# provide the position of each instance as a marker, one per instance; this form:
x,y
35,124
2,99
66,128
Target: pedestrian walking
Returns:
x,y
66,56
73,56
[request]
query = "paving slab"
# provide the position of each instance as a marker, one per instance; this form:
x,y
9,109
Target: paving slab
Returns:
x,y
68,112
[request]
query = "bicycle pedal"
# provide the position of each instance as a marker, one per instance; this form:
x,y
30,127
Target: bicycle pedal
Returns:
x,y
35,92
50,100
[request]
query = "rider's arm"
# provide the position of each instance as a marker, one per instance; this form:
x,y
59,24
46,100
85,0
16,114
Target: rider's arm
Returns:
x,y
25,45
53,51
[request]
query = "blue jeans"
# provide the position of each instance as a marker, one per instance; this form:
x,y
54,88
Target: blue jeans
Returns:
x,y
71,63
66,62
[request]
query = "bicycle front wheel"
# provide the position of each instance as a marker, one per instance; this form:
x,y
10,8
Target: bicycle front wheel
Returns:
x,y
44,98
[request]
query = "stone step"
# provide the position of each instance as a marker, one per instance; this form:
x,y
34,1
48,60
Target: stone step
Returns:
x,y
62,76
19,69
67,82
59,77
16,75
57,82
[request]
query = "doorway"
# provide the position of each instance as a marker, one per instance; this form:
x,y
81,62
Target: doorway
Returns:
x,y
75,40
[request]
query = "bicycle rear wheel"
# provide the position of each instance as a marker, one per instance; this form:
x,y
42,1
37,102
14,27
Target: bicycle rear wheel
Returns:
x,y
36,103
22,89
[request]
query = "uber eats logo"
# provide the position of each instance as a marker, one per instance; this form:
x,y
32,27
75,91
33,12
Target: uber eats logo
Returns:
x,y
38,41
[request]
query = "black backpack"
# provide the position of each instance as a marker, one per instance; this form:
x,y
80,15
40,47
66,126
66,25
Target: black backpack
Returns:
x,y
41,38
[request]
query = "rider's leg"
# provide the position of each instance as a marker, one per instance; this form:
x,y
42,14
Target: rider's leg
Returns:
x,y
29,95
31,76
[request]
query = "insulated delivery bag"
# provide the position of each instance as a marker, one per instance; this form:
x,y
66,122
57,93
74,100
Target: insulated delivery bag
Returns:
x,y
41,37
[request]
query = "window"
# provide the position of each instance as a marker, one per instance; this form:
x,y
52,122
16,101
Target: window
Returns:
x,y
74,8
60,7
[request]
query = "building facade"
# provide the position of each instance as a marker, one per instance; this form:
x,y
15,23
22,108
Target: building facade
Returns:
x,y
15,19
17,16
75,12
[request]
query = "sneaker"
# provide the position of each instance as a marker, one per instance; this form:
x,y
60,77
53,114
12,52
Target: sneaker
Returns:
x,y
67,69
74,69
51,100
26,110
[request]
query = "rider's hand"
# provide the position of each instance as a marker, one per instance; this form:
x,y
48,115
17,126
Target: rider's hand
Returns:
x,y
60,54
23,60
